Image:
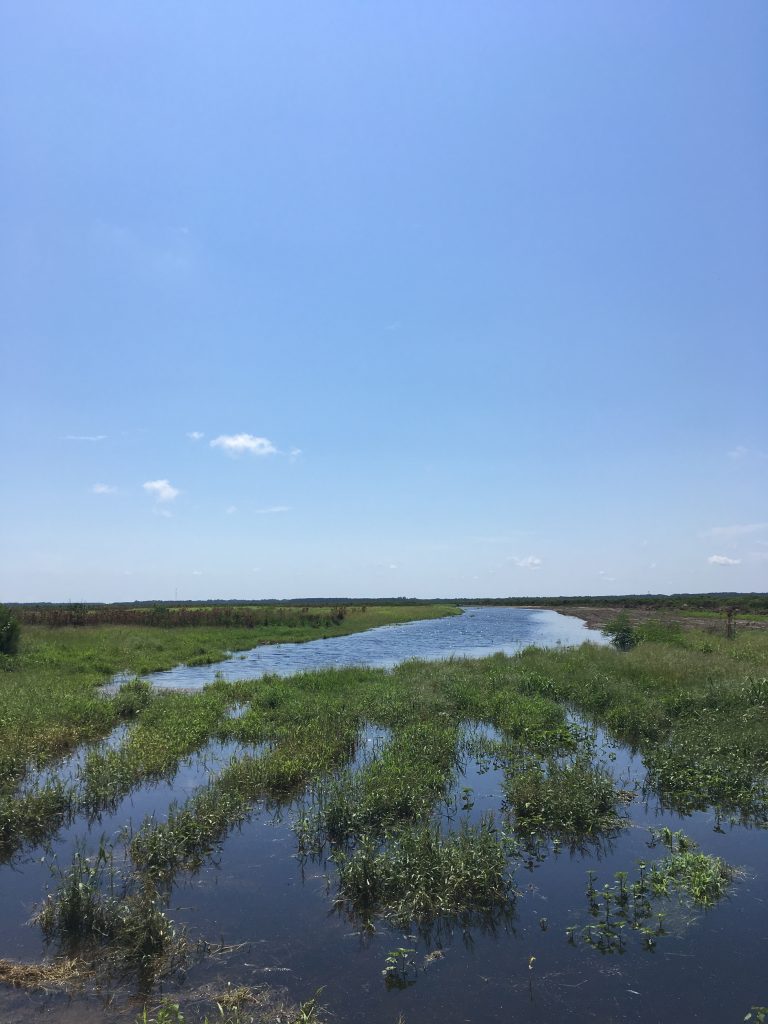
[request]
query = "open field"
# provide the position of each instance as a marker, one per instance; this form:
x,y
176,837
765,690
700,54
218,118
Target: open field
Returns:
x,y
689,618
414,805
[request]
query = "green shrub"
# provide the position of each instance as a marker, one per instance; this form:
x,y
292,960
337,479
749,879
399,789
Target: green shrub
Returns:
x,y
9,631
621,634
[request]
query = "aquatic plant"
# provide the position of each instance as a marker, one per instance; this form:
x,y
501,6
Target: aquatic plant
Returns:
x,y
570,799
419,874
625,906
94,906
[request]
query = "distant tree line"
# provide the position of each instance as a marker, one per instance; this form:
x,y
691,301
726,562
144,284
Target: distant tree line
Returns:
x,y
326,611
715,602
170,616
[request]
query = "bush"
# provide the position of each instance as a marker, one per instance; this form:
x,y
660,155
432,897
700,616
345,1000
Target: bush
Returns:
x,y
9,631
622,635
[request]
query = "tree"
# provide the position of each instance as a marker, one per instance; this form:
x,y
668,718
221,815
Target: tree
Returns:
x,y
621,634
9,631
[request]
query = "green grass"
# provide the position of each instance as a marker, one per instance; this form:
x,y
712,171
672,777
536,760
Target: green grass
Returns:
x,y
422,875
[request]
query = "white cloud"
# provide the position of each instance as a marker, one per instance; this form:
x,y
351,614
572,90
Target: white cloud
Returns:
x,y
738,453
238,444
737,530
196,572
231,510
103,489
529,562
723,560
271,509
741,454
85,437
195,435
294,453
161,489
392,565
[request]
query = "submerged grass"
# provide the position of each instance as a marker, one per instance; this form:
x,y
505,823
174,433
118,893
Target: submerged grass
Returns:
x,y
192,830
95,908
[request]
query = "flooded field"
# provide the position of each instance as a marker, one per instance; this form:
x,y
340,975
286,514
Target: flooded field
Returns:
x,y
548,835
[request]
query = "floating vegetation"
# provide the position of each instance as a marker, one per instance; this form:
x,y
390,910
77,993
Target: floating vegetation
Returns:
x,y
701,877
62,972
624,906
236,1005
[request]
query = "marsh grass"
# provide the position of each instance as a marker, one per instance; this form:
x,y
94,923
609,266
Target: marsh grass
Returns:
x,y
50,688
570,799
420,874
94,907
27,819
402,784
193,829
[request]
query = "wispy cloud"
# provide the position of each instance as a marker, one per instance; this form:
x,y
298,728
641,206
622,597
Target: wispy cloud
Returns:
x,y
195,435
529,562
161,490
605,577
271,509
738,453
723,560
294,453
103,489
231,510
196,572
737,530
741,453
85,437
239,444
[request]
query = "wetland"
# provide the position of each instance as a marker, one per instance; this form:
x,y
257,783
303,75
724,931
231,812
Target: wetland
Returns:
x,y
555,830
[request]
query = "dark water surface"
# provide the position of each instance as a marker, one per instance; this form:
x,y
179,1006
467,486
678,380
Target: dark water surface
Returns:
x,y
709,967
477,633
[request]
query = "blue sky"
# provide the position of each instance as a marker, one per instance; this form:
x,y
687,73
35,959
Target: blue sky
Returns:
x,y
461,299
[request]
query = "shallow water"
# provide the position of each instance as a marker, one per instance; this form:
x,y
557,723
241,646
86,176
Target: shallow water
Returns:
x,y
256,891
477,633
